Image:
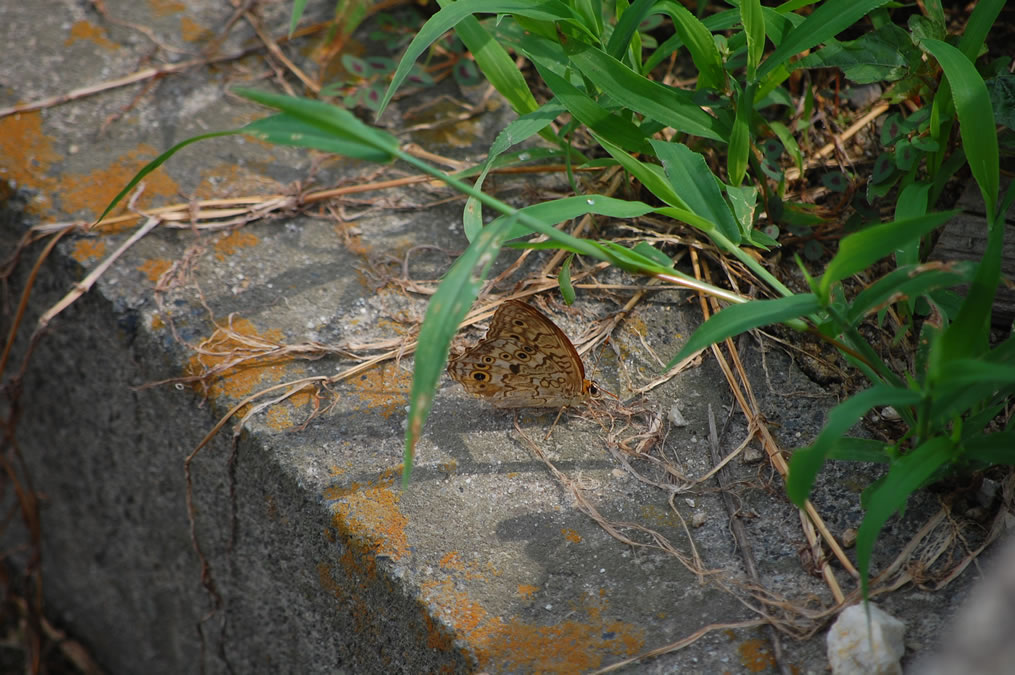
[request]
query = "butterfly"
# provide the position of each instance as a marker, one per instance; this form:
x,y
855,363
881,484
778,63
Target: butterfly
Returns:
x,y
525,361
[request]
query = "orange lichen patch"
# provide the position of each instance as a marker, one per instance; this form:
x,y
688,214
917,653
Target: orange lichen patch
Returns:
x,y
527,591
166,7
246,377
756,656
572,536
157,322
192,31
228,179
233,242
385,389
85,30
88,249
26,154
154,269
370,514
349,233
570,646
636,325
279,417
94,190
452,561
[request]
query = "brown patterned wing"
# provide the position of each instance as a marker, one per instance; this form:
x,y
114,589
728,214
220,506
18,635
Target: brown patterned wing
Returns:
x,y
525,361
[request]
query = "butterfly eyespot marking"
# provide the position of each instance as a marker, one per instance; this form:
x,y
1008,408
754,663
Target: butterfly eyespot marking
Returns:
x,y
524,361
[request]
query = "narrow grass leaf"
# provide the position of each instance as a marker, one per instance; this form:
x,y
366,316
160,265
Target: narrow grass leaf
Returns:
x,y
754,29
806,462
906,283
449,17
156,163
697,186
671,107
859,251
906,475
597,118
736,319
976,117
827,20
445,312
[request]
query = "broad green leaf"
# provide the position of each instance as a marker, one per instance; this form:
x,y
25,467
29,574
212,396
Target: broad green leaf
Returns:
x,y
691,178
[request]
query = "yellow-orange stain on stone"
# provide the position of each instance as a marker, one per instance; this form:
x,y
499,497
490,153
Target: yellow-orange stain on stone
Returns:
x,y
26,155
192,31
350,234
157,322
384,389
85,30
226,179
93,190
245,378
233,242
166,7
370,514
86,250
155,268
515,646
527,591
756,656
571,535
452,561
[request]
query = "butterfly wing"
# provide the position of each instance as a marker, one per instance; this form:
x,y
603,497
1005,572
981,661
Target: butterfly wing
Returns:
x,y
524,361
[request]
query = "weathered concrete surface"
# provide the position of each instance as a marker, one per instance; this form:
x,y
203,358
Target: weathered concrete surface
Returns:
x,y
317,561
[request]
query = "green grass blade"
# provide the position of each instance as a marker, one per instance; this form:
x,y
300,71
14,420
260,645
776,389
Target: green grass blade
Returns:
x,y
496,64
740,138
906,475
447,308
697,185
827,20
156,163
976,117
754,29
450,16
861,250
736,319
666,105
594,116
806,462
